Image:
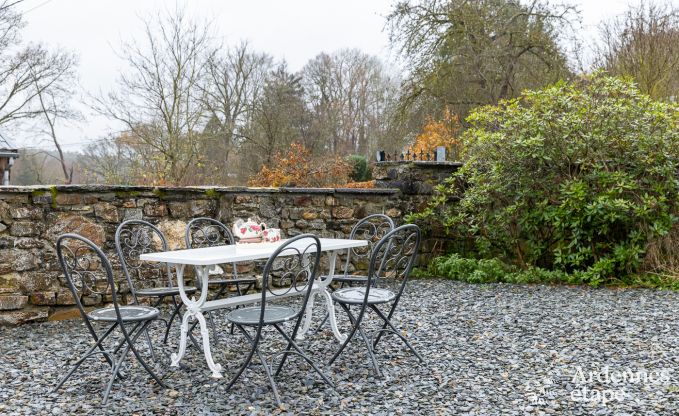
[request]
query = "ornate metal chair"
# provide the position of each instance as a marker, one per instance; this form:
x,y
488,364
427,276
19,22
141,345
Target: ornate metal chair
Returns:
x,y
393,258
147,279
295,262
208,232
371,229
88,272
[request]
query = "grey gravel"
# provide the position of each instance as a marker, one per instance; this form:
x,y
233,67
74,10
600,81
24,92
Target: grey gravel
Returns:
x,y
491,350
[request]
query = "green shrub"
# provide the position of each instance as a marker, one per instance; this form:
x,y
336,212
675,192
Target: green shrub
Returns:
x,y
468,270
360,170
455,267
576,178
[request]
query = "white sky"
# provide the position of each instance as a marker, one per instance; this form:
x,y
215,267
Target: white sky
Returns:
x,y
296,30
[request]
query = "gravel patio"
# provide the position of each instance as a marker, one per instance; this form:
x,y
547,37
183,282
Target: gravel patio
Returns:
x,y
491,350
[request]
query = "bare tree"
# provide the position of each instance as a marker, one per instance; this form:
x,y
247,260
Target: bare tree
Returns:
x,y
349,93
160,100
26,71
53,105
109,161
643,44
279,118
233,83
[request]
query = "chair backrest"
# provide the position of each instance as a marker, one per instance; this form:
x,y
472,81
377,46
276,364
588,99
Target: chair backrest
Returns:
x,y
134,238
394,256
87,271
371,229
208,232
295,265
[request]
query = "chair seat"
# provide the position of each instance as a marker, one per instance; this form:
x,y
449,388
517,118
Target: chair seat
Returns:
x,y
250,316
351,279
356,295
129,313
163,291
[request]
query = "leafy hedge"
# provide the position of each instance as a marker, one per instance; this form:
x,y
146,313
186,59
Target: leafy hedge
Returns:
x,y
576,178
470,270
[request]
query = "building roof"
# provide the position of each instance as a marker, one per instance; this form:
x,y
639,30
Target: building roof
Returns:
x,y
9,152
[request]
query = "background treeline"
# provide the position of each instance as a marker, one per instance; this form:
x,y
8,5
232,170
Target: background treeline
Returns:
x,y
194,111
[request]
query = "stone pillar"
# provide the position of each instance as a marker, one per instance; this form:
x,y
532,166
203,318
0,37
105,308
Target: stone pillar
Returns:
x,y
413,177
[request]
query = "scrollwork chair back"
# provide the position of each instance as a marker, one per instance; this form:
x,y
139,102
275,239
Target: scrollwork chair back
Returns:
x,y
87,271
295,265
371,229
134,238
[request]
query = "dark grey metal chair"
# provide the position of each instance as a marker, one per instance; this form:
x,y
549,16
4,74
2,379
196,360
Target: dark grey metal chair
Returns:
x,y
371,229
88,272
147,279
295,262
208,232
393,258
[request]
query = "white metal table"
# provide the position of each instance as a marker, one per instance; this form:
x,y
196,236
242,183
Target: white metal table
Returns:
x,y
204,258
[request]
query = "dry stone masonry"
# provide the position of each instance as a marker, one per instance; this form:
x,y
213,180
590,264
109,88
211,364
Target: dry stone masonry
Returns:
x,y
31,218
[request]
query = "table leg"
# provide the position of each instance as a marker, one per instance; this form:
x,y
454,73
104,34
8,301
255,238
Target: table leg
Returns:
x,y
184,328
308,316
193,310
330,305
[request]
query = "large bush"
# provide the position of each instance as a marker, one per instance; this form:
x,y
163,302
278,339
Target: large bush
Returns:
x,y
578,177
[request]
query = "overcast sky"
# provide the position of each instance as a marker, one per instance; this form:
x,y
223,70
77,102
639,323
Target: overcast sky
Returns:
x,y
294,30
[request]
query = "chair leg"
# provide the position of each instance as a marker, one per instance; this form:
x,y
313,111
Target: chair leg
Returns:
x,y
148,342
142,361
120,343
255,349
395,331
384,327
247,361
269,376
325,319
369,348
113,375
82,359
354,327
175,312
287,352
291,343
146,335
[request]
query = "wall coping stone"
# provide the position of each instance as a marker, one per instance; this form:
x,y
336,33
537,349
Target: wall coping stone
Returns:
x,y
378,191
421,163
187,189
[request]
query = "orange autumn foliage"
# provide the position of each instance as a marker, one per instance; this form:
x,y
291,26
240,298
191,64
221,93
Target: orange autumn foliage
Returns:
x,y
360,185
298,168
442,132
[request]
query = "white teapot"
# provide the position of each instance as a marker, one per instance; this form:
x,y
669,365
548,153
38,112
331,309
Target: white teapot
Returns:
x,y
248,229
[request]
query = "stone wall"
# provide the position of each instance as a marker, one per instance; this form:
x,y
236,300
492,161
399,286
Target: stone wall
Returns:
x,y
31,218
